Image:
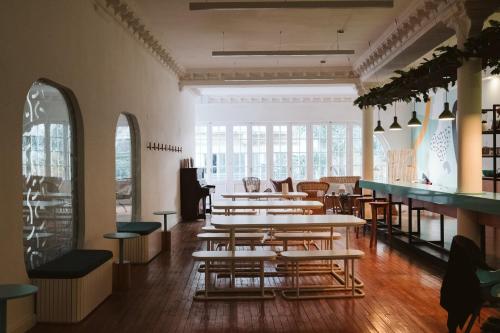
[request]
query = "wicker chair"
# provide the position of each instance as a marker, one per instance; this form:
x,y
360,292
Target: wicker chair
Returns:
x,y
251,184
277,184
315,192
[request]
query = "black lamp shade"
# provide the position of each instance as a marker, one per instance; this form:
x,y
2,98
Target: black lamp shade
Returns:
x,y
446,114
395,125
414,122
379,128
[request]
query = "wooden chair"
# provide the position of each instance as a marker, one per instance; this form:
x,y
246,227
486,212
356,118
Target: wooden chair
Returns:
x,y
375,206
316,191
277,184
251,184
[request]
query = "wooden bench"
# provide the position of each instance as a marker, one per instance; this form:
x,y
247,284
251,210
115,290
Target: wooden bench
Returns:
x,y
238,212
232,257
323,291
73,285
242,238
306,237
142,250
285,212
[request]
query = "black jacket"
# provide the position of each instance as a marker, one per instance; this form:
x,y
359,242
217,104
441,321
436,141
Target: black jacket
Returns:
x,y
460,291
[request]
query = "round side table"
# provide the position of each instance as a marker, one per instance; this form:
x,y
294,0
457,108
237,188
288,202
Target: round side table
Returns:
x,y
121,270
165,240
12,291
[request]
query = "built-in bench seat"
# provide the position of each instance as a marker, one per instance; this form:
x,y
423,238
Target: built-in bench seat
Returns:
x,y
73,285
142,249
233,257
344,290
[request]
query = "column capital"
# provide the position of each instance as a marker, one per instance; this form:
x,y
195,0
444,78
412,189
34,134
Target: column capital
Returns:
x,y
468,16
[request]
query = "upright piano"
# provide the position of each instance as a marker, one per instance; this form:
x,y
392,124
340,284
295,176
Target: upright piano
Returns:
x,y
194,193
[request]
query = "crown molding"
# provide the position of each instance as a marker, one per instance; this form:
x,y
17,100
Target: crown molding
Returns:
x,y
267,76
418,19
129,20
278,99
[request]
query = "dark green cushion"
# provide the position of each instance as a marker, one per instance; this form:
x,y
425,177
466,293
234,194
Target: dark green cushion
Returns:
x,y
141,228
72,265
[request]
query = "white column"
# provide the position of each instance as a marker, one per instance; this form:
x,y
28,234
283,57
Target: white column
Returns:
x,y
367,146
469,131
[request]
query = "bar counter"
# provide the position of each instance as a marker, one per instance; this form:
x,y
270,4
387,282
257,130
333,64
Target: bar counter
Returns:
x,y
486,202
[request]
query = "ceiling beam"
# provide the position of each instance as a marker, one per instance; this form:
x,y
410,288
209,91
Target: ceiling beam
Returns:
x,y
238,5
287,53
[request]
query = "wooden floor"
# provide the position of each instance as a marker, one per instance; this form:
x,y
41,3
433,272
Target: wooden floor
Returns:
x,y
402,295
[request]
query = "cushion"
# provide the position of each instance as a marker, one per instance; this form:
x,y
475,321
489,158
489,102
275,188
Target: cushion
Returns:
x,y
72,265
141,228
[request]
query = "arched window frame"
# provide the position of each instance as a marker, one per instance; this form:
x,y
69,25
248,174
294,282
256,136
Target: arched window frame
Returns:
x,y
77,159
135,142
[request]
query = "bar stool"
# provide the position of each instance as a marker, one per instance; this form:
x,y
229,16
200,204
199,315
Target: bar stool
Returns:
x,y
418,210
375,206
361,202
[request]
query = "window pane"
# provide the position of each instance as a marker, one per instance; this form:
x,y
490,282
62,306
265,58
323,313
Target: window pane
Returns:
x,y
339,149
219,153
357,154
240,142
299,152
49,228
379,160
280,158
320,163
201,146
259,161
123,170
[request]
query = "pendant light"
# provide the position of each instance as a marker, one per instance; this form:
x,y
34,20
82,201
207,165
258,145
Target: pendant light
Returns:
x,y
379,128
395,125
414,122
446,114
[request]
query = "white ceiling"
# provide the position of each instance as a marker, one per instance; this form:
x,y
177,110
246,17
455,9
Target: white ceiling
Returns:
x,y
191,36
310,90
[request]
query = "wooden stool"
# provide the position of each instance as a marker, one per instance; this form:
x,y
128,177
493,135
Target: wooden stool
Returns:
x,y
361,202
375,205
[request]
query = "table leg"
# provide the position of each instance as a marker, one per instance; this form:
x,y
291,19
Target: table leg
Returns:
x,y
120,254
346,238
3,315
232,243
207,277
262,278
165,222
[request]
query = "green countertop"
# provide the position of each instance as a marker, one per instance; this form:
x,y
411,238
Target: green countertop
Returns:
x,y
486,202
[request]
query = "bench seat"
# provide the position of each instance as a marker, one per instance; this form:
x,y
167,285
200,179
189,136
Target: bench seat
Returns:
x,y
234,293
143,249
211,228
306,235
141,228
346,287
256,255
73,285
339,254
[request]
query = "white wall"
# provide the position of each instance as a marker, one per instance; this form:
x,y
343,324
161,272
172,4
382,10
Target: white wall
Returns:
x,y
81,47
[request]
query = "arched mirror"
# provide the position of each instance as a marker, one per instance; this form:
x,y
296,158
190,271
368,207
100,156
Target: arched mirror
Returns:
x,y
126,168
49,175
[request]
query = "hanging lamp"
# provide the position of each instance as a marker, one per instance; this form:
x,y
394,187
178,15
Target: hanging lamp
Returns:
x,y
379,128
395,125
414,121
446,114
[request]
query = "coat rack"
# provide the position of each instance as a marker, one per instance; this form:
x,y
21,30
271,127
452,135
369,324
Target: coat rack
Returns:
x,y
156,146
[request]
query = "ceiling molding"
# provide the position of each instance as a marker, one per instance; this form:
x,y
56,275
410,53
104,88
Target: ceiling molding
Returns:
x,y
129,20
294,99
412,24
269,76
